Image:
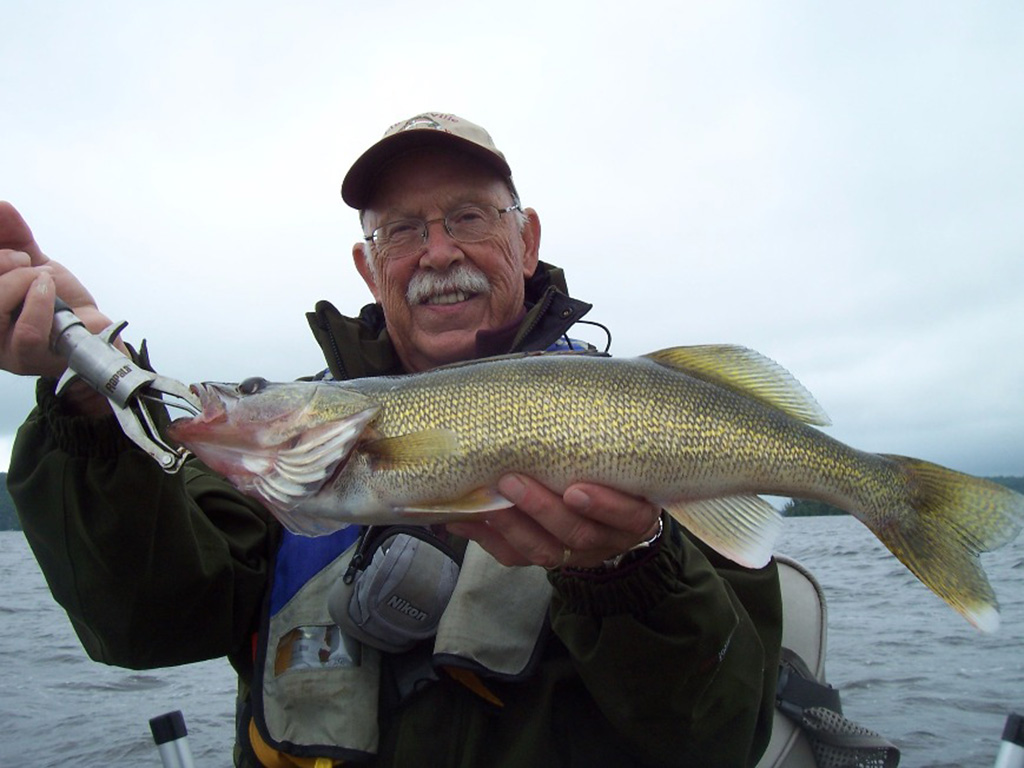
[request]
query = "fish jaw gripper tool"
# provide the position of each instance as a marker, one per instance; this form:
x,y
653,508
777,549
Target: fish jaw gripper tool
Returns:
x,y
94,359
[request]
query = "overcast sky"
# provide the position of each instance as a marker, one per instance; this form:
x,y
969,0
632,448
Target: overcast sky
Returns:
x,y
838,185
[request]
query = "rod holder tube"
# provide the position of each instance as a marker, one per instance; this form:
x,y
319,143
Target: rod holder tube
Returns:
x,y
171,739
1011,749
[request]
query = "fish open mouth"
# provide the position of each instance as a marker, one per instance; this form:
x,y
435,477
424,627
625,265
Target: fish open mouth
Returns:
x,y
212,411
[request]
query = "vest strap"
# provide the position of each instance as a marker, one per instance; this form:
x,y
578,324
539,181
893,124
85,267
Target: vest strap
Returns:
x,y
272,758
495,618
472,681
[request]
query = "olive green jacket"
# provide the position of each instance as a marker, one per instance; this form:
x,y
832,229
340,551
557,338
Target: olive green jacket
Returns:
x,y
670,663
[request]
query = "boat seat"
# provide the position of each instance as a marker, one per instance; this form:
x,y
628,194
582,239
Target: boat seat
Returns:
x,y
804,631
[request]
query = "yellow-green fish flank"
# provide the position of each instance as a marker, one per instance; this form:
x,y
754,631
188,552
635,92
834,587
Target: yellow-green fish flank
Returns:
x,y
700,431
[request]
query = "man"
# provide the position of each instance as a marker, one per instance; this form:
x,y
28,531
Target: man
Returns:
x,y
631,645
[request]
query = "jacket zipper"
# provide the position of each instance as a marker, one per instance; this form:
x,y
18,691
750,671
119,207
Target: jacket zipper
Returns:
x,y
524,333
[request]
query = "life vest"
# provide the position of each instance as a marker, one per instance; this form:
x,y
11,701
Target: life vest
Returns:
x,y
315,692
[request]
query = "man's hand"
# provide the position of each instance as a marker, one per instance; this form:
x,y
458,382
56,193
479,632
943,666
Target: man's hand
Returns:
x,y
581,528
29,284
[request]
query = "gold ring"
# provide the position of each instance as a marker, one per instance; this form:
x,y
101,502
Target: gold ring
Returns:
x,y
566,554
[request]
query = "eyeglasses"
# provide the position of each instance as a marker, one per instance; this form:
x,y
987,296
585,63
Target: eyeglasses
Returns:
x,y
466,224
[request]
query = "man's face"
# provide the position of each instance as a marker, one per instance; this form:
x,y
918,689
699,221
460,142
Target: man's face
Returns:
x,y
438,323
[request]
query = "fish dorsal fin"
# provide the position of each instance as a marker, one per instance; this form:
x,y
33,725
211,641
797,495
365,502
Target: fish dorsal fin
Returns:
x,y
747,372
743,528
411,448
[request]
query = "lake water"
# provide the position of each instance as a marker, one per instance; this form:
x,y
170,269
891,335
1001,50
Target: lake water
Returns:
x,y
906,665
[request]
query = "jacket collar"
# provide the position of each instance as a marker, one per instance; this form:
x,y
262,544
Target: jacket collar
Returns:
x,y
361,346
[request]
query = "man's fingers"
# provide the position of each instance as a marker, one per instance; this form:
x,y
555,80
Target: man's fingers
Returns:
x,y
73,292
15,234
491,540
15,279
13,259
583,527
528,537
26,326
36,316
587,516
29,285
549,528
630,514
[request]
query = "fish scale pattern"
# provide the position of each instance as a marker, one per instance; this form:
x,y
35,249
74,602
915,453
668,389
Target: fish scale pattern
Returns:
x,y
631,423
698,430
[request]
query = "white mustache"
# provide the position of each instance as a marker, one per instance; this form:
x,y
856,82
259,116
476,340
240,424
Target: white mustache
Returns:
x,y
462,278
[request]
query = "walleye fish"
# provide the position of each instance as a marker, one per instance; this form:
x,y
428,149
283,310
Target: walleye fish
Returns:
x,y
699,431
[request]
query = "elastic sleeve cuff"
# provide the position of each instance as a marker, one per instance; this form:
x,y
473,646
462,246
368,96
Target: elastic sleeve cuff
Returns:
x,y
79,435
634,589
87,436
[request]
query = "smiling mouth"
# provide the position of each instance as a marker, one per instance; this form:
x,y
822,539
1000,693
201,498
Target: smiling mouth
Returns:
x,y
454,297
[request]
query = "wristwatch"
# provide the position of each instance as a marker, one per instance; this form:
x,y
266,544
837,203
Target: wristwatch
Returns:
x,y
630,553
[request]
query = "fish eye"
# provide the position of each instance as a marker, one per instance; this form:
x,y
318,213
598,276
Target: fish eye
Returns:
x,y
252,385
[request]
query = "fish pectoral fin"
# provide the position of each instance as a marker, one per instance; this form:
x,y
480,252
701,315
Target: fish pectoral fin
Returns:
x,y
748,373
479,500
411,448
742,528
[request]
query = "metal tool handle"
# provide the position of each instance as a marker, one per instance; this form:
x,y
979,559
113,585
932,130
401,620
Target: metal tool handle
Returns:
x,y
94,359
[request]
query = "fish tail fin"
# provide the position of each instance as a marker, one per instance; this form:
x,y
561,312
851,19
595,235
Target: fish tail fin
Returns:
x,y
950,520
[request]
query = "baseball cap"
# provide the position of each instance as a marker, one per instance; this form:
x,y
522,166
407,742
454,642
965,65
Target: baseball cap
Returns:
x,y
429,129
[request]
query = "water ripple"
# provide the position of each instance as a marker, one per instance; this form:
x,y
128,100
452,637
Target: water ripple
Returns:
x,y
126,683
905,665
